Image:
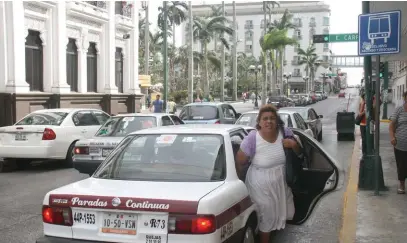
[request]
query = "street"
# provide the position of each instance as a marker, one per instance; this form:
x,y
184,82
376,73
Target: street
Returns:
x,y
23,191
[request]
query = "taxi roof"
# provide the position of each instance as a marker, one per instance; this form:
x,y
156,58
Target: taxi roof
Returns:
x,y
191,129
282,110
144,114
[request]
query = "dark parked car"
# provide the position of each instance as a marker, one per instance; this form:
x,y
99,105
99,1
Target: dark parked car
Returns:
x,y
209,113
280,101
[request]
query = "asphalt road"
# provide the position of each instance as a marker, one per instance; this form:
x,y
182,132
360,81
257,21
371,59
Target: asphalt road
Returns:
x,y
22,192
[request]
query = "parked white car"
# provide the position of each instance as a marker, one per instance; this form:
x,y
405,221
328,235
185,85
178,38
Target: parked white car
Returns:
x,y
90,153
291,119
176,185
48,135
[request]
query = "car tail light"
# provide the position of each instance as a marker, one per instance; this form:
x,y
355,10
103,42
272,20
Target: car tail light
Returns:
x,y
57,215
192,224
217,122
81,150
48,134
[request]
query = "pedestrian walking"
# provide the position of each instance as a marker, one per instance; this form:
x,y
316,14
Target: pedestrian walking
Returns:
x,y
398,138
157,105
266,178
172,106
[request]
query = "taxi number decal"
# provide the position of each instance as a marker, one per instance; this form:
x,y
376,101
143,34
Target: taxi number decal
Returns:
x,y
226,231
157,223
84,218
153,239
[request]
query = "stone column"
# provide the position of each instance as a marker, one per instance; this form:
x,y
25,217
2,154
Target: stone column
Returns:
x,y
126,67
134,44
47,52
3,49
110,49
16,32
82,44
59,15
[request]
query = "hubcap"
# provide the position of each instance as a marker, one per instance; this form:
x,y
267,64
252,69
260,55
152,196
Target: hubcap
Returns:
x,y
248,236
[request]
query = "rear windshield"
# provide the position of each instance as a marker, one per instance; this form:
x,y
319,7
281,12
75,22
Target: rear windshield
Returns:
x,y
43,118
199,112
121,126
294,96
248,119
178,158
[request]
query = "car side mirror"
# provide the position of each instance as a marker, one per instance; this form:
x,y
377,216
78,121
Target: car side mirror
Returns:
x,y
320,116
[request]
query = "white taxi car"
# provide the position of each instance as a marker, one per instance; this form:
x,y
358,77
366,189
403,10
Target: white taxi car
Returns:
x,y
171,185
90,153
48,135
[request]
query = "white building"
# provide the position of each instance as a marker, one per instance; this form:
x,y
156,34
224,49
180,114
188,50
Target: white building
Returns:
x,y
68,53
311,17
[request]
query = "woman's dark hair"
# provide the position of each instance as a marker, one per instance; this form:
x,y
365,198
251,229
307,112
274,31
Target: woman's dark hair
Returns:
x,y
269,108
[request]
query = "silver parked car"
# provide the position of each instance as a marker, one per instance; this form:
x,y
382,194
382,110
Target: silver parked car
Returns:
x,y
311,118
88,154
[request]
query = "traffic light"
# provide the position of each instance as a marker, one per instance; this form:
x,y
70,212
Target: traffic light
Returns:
x,y
381,70
320,38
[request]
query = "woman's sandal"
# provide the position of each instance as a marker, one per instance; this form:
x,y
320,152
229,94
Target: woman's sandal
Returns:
x,y
401,191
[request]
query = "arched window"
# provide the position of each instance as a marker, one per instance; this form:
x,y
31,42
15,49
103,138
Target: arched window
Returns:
x,y
33,61
72,65
119,69
92,67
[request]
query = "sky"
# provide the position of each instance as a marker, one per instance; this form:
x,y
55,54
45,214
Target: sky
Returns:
x,y
344,19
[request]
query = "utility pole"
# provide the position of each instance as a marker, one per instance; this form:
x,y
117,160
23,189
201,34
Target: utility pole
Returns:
x,y
222,67
385,88
165,54
264,86
191,56
146,39
234,54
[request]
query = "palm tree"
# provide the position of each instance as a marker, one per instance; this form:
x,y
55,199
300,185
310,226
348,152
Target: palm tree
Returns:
x,y
311,61
206,30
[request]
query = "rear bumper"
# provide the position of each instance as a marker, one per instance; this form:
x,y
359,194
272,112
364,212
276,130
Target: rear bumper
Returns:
x,y
86,166
50,239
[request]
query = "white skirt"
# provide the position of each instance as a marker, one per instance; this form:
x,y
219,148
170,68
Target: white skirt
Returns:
x,y
268,189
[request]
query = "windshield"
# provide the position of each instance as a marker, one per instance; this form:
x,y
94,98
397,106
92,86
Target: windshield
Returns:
x,y
44,118
248,119
121,126
199,112
303,113
156,157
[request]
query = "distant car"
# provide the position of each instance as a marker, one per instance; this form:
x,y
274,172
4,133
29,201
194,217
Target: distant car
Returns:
x,y
296,99
48,135
209,113
88,154
280,101
291,119
166,185
341,94
310,117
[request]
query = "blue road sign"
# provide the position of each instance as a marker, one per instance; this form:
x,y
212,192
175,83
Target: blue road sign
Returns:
x,y
379,33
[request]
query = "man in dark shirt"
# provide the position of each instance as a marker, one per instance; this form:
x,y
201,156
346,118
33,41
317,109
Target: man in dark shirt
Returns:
x,y
157,104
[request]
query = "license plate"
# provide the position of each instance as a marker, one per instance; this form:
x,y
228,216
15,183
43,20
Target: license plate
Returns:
x,y
119,223
82,217
93,150
106,152
20,137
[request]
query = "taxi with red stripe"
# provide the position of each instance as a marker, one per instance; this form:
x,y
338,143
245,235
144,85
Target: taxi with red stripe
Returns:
x,y
167,185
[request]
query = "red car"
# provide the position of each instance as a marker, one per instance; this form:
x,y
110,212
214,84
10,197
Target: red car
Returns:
x,y
341,95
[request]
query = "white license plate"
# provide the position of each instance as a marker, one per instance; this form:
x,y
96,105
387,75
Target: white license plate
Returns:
x,y
119,223
20,137
106,152
83,217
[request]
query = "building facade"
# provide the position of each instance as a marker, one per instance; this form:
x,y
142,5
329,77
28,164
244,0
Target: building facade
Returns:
x,y
58,54
310,17
398,81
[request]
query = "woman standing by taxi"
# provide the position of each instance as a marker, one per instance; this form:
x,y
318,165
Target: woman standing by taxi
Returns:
x,y
266,179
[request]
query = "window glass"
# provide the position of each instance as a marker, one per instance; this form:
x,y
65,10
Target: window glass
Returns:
x,y
166,121
199,112
84,118
248,119
176,120
121,126
168,157
101,116
43,118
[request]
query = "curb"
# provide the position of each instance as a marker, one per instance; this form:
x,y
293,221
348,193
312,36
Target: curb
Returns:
x,y
385,120
349,215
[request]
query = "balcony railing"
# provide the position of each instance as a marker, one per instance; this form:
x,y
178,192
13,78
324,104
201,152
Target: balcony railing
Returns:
x,y
98,4
312,24
295,62
123,8
297,74
248,26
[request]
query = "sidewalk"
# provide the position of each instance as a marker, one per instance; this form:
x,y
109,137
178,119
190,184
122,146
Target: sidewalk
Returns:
x,y
382,218
390,109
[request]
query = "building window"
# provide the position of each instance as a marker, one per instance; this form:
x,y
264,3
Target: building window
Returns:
x,y
297,72
72,65
119,69
249,35
297,47
325,21
325,31
312,22
249,24
92,67
123,8
249,48
33,61
297,22
297,34
311,34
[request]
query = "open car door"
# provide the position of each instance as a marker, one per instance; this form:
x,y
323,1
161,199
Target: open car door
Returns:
x,y
320,175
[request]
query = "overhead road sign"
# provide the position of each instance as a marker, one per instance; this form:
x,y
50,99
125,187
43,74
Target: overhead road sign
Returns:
x,y
350,37
379,33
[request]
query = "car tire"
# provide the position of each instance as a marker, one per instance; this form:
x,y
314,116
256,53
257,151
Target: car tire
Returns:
x,y
320,136
68,162
249,233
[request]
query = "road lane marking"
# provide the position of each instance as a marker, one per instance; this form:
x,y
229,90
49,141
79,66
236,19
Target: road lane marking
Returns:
x,y
350,202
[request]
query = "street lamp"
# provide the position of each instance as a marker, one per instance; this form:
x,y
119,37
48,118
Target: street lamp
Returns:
x,y
255,69
306,78
287,76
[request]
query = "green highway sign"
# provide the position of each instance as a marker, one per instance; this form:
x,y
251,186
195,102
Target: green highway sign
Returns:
x,y
353,37
326,38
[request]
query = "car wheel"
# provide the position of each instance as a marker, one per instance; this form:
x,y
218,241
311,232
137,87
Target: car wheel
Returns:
x,y
320,136
68,163
248,235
